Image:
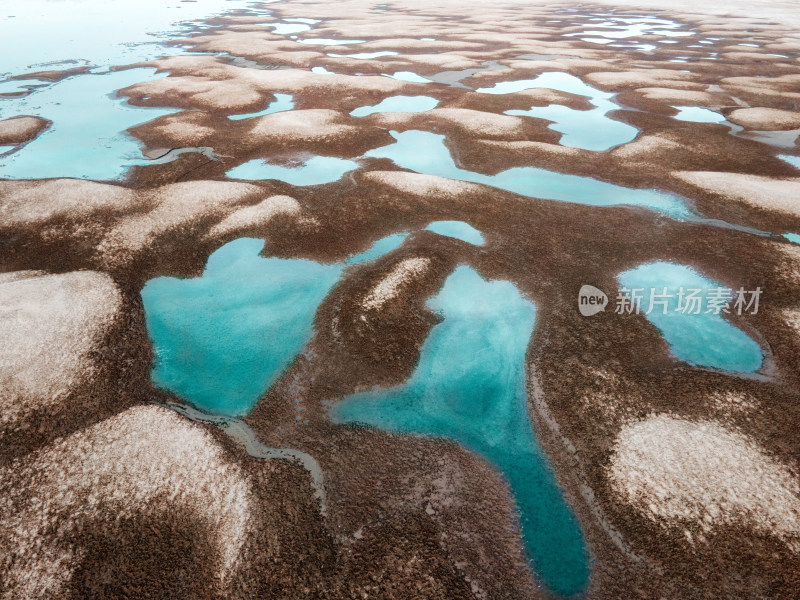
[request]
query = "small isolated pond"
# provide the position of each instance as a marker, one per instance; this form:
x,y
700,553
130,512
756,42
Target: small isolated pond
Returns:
x,y
792,160
329,42
792,237
703,339
282,102
469,386
458,230
398,104
378,249
698,114
409,76
365,55
288,28
314,171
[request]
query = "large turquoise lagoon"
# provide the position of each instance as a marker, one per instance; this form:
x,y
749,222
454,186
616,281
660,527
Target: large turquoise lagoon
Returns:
x,y
223,338
469,386
87,138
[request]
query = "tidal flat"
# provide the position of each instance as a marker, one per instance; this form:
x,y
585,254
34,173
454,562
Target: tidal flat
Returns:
x,y
399,300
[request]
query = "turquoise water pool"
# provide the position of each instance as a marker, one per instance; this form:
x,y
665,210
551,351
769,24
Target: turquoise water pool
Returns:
x,y
425,152
703,340
698,114
329,42
222,339
282,102
455,229
458,230
306,20
792,160
408,76
17,86
287,28
314,171
365,55
469,386
792,237
554,80
587,129
378,249
88,138
398,104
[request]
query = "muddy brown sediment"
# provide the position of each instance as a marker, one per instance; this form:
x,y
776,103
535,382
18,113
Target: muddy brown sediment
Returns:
x,y
19,130
408,517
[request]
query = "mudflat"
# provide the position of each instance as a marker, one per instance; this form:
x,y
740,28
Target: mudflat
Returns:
x,y
291,302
